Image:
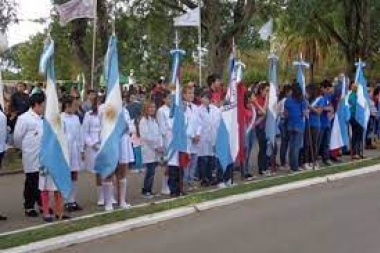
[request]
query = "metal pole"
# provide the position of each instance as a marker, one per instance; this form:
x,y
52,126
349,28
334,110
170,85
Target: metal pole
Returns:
x,y
94,44
200,43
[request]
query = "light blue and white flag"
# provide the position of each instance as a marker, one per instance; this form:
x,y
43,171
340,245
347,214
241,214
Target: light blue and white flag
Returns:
x,y
339,132
75,9
1,91
113,124
227,137
271,118
179,140
54,150
363,105
301,65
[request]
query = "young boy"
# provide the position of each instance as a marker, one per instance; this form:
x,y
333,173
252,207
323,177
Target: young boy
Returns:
x,y
27,137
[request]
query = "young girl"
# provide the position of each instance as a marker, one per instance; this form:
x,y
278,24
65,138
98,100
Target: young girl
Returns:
x,y
295,111
73,133
250,135
125,157
165,124
152,146
91,132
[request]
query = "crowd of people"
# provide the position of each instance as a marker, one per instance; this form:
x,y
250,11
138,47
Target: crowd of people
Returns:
x,y
304,128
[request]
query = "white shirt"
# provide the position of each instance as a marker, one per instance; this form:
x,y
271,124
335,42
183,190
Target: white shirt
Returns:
x,y
165,123
3,131
151,139
27,136
91,129
193,126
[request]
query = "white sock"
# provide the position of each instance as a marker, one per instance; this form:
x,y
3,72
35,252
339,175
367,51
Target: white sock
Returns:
x,y
73,193
108,195
114,201
165,186
100,195
123,190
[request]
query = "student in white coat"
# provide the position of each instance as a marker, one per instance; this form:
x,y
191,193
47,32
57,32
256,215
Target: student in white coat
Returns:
x,y
73,132
193,134
125,157
152,145
3,137
91,131
27,136
165,124
205,147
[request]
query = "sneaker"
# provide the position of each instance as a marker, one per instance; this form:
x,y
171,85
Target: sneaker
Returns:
x,y
308,166
205,184
48,219
165,192
222,185
229,183
148,195
248,177
327,163
108,208
100,202
3,218
76,207
31,213
124,205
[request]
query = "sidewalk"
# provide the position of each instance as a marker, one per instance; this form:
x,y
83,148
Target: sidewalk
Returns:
x,y
11,198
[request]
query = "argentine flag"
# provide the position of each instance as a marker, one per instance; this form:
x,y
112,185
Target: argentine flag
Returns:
x,y
301,65
362,106
179,141
113,124
54,152
271,119
339,132
227,137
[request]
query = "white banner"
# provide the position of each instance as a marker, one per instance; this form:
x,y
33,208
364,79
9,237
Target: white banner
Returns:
x,y
191,18
75,9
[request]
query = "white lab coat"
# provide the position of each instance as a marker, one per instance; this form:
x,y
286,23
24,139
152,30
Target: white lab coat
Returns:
x,y
3,132
126,149
91,132
205,147
165,123
74,138
151,139
27,136
193,126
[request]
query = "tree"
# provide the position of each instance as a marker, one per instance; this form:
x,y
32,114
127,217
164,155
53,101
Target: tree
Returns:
x,y
352,24
7,13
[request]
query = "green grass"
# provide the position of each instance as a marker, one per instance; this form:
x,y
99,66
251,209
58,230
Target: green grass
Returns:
x,y
22,238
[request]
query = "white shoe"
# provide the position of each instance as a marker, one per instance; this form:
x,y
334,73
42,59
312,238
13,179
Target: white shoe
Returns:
x,y
222,185
124,205
229,183
165,192
308,166
108,208
100,202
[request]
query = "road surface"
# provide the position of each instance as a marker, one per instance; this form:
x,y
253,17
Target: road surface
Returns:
x,y
341,217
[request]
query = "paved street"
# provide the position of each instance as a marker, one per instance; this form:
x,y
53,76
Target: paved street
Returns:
x,y
341,217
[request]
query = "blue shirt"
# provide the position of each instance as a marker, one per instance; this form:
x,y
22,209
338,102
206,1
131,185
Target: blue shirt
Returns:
x,y
295,109
325,121
314,118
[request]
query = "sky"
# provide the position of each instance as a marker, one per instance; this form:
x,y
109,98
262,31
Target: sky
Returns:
x,y
28,9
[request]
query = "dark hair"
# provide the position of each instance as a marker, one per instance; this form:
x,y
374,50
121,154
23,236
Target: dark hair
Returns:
x,y
94,106
297,92
313,91
211,79
262,86
66,100
36,99
90,91
285,89
326,84
247,97
165,94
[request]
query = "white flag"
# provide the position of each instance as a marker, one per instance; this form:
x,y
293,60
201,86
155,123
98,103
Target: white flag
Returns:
x,y
74,9
191,18
266,30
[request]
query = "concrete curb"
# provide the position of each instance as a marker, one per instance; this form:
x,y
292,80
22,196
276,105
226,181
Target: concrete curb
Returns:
x,y
123,226
10,172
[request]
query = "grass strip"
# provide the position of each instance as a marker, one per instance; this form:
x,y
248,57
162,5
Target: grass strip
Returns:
x,y
54,230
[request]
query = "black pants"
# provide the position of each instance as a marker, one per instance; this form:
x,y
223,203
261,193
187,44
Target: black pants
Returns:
x,y
205,165
262,156
1,158
31,191
174,179
357,137
314,136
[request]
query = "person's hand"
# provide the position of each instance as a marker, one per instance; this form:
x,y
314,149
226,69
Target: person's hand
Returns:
x,y
196,139
160,150
95,146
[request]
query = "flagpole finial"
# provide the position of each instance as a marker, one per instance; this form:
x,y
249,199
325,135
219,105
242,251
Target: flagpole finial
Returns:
x,y
176,39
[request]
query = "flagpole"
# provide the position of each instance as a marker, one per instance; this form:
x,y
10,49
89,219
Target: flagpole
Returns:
x,y
200,43
94,43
